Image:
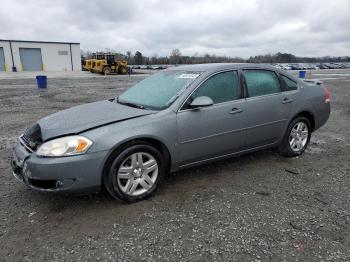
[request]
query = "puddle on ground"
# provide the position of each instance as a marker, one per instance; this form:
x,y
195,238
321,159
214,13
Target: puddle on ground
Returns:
x,y
315,150
332,74
330,78
318,145
315,146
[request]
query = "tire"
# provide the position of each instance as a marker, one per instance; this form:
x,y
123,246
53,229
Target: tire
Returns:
x,y
123,70
299,130
126,179
106,70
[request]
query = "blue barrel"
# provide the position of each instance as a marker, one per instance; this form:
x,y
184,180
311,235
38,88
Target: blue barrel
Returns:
x,y
41,81
302,74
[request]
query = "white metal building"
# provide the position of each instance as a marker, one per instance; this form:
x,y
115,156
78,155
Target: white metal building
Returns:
x,y
16,55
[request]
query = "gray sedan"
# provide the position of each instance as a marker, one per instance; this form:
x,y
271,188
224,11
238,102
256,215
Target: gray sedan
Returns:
x,y
178,118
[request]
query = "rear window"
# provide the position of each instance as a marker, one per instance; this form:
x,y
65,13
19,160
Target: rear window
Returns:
x,y
261,82
290,84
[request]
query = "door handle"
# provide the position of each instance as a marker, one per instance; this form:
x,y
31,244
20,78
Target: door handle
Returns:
x,y
236,111
287,100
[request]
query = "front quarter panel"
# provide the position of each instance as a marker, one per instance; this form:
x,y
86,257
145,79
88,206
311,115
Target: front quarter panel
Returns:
x,y
160,126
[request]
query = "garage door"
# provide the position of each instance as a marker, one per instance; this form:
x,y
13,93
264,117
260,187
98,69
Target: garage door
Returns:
x,y
31,59
2,59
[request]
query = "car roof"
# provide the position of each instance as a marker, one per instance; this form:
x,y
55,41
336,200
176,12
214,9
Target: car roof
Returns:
x,y
208,69
219,66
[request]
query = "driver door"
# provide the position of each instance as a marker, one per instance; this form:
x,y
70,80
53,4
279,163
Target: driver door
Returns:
x,y
215,130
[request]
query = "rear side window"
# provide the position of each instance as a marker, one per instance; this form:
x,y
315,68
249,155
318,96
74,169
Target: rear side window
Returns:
x,y
221,87
290,84
261,82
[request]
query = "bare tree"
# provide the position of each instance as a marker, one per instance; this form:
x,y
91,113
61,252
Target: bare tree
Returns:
x,y
154,59
138,58
129,57
175,56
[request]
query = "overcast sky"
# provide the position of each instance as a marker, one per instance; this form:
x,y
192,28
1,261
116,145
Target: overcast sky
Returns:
x,y
223,27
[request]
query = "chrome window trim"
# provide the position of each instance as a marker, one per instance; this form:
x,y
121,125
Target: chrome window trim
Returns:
x,y
290,91
262,96
214,105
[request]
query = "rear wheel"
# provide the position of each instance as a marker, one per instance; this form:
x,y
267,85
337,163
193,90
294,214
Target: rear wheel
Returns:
x,y
135,173
106,70
123,70
296,138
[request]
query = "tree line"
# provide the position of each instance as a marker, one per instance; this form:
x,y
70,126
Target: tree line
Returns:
x,y
176,57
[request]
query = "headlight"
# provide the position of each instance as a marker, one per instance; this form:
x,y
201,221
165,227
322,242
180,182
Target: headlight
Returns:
x,y
65,146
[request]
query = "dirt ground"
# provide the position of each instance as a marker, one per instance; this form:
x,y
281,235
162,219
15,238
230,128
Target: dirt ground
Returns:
x,y
258,207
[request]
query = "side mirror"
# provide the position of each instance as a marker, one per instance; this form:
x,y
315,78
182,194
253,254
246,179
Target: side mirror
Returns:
x,y
201,101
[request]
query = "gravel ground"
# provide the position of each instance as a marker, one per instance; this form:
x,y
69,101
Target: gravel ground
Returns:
x,y
257,207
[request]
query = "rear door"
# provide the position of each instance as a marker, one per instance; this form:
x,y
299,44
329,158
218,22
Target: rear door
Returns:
x,y
31,59
265,111
216,130
290,93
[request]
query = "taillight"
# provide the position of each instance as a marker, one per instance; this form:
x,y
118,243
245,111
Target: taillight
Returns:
x,y
327,95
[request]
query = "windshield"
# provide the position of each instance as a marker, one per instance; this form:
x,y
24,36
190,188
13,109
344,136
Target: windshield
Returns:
x,y
159,90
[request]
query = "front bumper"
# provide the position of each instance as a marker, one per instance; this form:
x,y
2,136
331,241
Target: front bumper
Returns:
x,y
73,174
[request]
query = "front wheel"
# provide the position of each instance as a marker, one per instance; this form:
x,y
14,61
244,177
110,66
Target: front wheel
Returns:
x,y
296,138
135,173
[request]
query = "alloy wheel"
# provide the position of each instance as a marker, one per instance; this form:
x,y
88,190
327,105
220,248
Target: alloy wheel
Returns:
x,y
137,173
299,136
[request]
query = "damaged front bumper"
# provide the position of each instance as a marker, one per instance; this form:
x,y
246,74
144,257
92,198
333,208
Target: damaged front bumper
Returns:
x,y
73,174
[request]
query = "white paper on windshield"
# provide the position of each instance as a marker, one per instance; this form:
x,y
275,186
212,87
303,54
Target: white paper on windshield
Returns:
x,y
188,76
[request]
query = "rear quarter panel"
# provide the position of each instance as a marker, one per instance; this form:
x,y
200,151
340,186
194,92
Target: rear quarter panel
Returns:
x,y
308,98
314,95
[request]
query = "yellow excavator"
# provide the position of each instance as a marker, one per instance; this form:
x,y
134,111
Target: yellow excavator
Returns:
x,y
88,64
109,63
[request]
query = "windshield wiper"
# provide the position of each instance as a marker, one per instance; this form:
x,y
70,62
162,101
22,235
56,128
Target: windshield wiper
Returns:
x,y
130,104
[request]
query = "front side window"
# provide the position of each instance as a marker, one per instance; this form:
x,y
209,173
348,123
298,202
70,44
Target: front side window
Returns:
x,y
220,88
159,90
261,82
290,84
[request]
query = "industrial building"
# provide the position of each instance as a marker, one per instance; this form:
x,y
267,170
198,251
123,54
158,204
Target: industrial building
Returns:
x,y
17,55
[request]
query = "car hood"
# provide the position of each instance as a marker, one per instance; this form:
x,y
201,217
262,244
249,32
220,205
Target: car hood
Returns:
x,y
84,117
